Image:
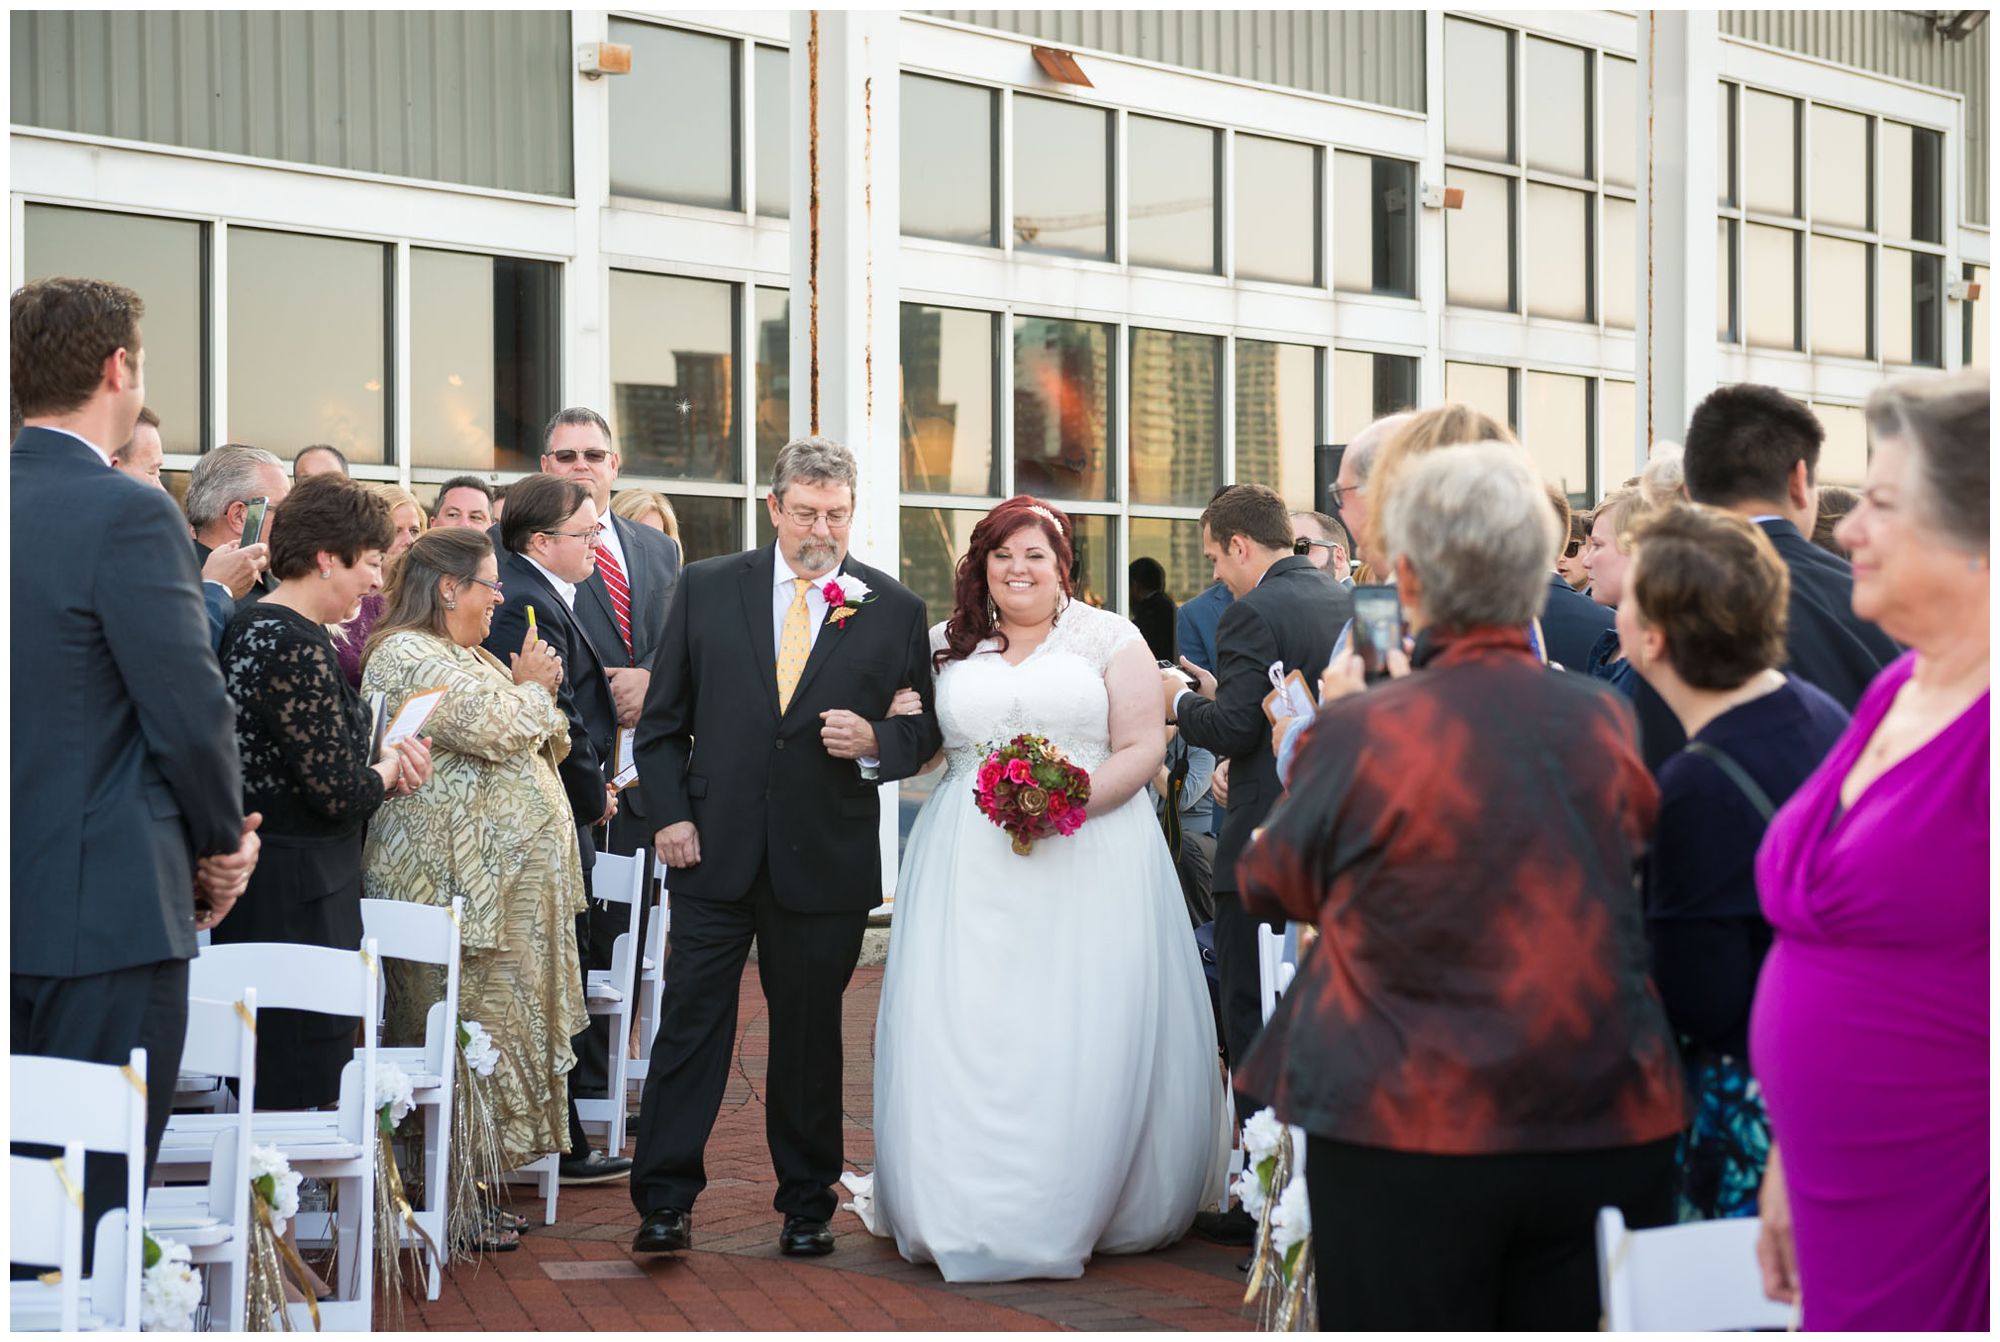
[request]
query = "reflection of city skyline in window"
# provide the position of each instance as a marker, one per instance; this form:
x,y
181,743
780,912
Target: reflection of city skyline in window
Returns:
x,y
1176,421
947,404
1062,408
673,376
710,525
774,378
1277,413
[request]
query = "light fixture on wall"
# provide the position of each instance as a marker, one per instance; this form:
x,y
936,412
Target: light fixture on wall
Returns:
x,y
1439,197
597,59
1962,291
1061,67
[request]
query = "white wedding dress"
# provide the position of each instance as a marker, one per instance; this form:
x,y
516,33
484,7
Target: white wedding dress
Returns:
x,y
1046,1084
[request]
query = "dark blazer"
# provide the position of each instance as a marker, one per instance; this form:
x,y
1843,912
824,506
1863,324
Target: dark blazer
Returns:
x,y
758,785
1194,626
1292,616
1826,642
264,585
584,695
124,756
220,605
652,566
1572,624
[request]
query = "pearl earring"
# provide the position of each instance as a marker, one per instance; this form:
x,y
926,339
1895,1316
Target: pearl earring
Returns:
x,y
449,604
326,573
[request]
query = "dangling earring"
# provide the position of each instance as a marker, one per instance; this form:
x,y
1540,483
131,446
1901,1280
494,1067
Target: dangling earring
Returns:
x,y
1062,604
992,612
450,604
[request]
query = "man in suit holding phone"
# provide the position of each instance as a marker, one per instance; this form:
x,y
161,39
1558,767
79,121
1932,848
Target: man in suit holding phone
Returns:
x,y
222,493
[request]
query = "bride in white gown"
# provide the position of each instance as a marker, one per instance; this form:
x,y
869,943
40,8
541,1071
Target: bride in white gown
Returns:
x,y
1046,1084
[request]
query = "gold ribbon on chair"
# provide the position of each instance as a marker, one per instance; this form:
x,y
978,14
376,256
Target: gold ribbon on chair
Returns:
x,y
249,1021
70,1190
392,1213
1295,1307
270,1257
475,1173
138,1082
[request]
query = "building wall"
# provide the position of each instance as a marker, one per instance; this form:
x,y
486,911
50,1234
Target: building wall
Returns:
x,y
1374,56
480,98
1898,44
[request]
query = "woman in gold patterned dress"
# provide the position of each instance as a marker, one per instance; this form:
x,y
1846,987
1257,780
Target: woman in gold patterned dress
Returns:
x,y
493,826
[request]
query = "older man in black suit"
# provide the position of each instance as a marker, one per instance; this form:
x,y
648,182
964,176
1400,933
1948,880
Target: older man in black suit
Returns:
x,y
128,831
1755,451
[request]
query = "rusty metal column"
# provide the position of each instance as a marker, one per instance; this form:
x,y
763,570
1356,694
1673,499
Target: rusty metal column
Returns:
x,y
1675,352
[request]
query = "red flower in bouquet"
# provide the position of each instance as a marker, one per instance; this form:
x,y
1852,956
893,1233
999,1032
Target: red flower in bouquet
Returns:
x,y
1031,790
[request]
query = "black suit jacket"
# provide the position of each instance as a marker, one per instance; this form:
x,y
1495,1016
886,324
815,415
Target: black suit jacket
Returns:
x,y
584,696
1571,625
1825,641
259,589
124,755
652,566
759,785
1292,616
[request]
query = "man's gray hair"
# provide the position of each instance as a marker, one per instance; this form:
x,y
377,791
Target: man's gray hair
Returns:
x,y
813,461
1476,526
227,475
1369,441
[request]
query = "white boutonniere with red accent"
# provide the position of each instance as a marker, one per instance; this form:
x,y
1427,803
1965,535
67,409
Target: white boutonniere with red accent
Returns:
x,y
845,595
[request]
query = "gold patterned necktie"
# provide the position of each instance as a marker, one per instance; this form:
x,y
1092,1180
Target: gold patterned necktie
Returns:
x,y
794,644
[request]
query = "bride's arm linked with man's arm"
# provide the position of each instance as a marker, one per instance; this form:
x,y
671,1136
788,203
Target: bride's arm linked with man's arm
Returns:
x,y
1138,733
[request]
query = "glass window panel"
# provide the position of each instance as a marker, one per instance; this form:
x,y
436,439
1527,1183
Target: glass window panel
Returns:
x,y
773,335
1479,242
1770,142
1170,187
1725,261
1374,225
1176,543
1618,116
1483,387
1559,261
1977,322
1277,417
308,343
1843,459
710,525
1062,409
485,359
161,261
1478,91
1062,178
931,542
1095,576
948,401
673,118
1619,429
947,137
1725,144
1912,190
673,376
1559,110
1770,279
1620,297
1911,319
774,131
1839,167
1176,414
1558,430
1369,386
1277,210
1839,298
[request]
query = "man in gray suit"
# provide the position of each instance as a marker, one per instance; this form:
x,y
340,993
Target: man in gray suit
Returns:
x,y
622,607
129,835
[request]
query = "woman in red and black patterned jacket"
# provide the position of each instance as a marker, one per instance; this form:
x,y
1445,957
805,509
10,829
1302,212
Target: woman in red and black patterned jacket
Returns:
x,y
1472,1046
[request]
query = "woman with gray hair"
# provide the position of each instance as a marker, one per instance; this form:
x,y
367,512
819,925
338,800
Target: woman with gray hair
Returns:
x,y
1474,1051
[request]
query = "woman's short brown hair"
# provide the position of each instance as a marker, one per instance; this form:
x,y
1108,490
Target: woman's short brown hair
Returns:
x,y
327,513
1713,586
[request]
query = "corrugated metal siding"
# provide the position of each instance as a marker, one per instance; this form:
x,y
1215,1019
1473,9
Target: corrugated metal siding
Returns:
x,y
1890,42
477,97
1374,56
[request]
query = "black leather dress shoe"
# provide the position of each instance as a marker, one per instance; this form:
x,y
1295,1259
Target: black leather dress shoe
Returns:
x,y
594,1168
1233,1227
664,1232
804,1237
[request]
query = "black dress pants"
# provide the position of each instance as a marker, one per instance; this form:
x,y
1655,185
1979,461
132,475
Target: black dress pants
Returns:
x,y
804,963
1236,969
1408,1241
102,1018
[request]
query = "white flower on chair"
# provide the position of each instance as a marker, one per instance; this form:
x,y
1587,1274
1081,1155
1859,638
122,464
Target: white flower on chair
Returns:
x,y
1261,1136
1291,1219
481,1055
282,1190
170,1292
394,1096
1249,1189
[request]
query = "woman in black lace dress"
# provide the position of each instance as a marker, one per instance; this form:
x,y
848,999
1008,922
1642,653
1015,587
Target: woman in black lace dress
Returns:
x,y
303,732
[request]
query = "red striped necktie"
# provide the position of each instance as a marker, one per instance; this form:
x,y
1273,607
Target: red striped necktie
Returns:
x,y
621,593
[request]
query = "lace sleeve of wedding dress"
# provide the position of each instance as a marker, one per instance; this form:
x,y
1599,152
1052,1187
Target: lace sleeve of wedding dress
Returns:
x,y
1094,635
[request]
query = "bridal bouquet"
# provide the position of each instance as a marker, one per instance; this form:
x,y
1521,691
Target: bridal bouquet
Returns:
x,y
1030,789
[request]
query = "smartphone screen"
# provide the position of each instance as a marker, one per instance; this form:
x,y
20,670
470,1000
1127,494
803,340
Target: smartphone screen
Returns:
x,y
1378,627
253,520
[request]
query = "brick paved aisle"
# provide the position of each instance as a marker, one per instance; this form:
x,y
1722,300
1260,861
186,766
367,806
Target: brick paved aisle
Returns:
x,y
577,1274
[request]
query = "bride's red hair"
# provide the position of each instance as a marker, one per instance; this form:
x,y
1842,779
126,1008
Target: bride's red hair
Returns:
x,y
971,615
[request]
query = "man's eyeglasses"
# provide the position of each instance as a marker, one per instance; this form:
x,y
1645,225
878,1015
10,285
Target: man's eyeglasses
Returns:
x,y
590,536
809,518
1304,544
1341,493
483,583
596,456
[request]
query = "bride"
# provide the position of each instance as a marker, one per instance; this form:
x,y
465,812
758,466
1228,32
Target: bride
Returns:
x,y
1046,1085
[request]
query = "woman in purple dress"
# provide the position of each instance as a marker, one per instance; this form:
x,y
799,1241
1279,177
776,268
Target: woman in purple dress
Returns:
x,y
1870,1029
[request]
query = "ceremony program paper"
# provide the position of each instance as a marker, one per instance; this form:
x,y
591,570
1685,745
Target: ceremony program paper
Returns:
x,y
410,719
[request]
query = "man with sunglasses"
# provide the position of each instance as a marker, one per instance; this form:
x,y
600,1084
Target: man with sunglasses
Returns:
x,y
1323,541
622,607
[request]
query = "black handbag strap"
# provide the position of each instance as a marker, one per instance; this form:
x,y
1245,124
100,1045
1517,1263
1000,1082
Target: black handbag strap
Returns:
x,y
1170,817
1736,774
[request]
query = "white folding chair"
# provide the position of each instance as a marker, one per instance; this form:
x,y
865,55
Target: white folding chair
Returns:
x,y
545,1177
652,984
336,1145
213,1219
426,934
611,993
1699,1277
1277,963
77,1107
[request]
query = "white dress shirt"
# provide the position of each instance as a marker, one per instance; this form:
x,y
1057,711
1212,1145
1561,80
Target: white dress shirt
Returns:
x,y
565,590
607,539
782,591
